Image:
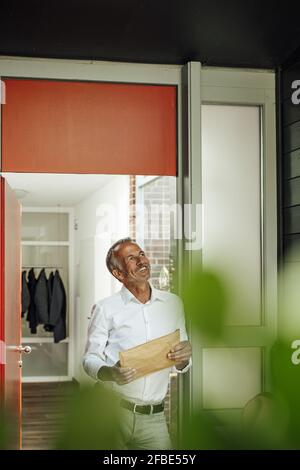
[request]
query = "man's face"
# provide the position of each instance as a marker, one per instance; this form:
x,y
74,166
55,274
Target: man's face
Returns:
x,y
135,266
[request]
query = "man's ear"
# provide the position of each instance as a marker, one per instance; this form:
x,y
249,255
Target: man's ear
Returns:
x,y
118,274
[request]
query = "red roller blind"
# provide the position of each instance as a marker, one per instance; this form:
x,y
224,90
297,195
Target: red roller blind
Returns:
x,y
87,127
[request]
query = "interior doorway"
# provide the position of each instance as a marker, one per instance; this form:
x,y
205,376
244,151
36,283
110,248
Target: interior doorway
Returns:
x,y
68,224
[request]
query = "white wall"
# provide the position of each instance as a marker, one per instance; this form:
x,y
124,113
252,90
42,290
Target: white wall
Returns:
x,y
102,218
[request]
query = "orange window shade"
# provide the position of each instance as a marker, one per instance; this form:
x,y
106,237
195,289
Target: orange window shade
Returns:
x,y
53,126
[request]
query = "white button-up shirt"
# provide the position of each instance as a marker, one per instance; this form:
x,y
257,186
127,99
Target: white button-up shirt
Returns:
x,y
121,322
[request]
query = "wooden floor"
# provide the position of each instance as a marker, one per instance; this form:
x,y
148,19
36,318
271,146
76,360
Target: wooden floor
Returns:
x,y
43,413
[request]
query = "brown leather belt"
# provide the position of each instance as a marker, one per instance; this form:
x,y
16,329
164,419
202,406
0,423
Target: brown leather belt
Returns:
x,y
142,409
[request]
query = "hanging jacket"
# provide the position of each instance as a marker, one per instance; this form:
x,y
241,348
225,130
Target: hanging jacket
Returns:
x,y
25,295
41,298
47,326
50,286
31,314
58,308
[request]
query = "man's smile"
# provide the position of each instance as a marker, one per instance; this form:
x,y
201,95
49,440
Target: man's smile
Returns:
x,y
143,269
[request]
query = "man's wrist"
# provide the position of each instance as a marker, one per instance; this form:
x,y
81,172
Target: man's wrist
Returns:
x,y
182,365
105,374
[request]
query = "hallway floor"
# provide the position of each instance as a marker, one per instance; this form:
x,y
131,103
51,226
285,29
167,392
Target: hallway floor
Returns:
x,y
43,413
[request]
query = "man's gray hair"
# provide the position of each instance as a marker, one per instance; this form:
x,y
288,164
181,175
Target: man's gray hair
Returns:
x,y
112,261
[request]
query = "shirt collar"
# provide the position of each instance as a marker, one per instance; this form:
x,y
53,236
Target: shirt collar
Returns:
x,y
128,296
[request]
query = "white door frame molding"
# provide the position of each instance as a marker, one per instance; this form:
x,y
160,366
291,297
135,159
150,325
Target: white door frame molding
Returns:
x,y
213,85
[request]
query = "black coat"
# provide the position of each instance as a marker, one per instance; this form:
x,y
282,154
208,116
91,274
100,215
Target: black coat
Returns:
x,y
50,302
58,308
25,297
47,326
31,315
41,298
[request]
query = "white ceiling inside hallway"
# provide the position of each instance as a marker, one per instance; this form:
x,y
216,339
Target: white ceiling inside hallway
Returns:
x,y
46,190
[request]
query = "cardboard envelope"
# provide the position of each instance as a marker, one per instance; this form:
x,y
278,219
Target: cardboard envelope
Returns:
x,y
151,356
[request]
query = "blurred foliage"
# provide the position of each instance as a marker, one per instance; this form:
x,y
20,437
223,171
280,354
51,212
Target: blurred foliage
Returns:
x,y
92,420
6,430
201,432
269,420
3,432
286,384
205,301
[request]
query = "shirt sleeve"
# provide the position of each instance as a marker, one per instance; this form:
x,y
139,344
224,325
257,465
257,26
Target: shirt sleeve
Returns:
x,y
94,356
183,335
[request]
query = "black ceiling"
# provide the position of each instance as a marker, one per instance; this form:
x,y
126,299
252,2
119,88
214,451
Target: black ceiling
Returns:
x,y
220,33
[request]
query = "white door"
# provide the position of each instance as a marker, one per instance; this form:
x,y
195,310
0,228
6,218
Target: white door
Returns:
x,y
232,175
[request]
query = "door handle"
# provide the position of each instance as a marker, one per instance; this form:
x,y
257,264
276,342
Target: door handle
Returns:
x,y
20,349
24,349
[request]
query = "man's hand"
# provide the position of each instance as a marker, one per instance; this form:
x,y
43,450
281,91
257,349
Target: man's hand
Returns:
x,y
122,375
181,354
118,374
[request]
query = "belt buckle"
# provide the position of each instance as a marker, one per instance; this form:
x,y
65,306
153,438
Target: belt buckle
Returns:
x,y
136,404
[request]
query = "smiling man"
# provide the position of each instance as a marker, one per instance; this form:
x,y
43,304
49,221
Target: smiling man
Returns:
x,y
136,314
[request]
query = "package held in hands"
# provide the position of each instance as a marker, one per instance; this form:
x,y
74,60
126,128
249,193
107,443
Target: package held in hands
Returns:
x,y
151,356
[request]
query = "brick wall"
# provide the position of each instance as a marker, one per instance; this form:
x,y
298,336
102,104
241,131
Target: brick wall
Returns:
x,y
160,191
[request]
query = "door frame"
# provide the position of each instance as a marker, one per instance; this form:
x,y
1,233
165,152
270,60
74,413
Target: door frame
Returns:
x,y
209,85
